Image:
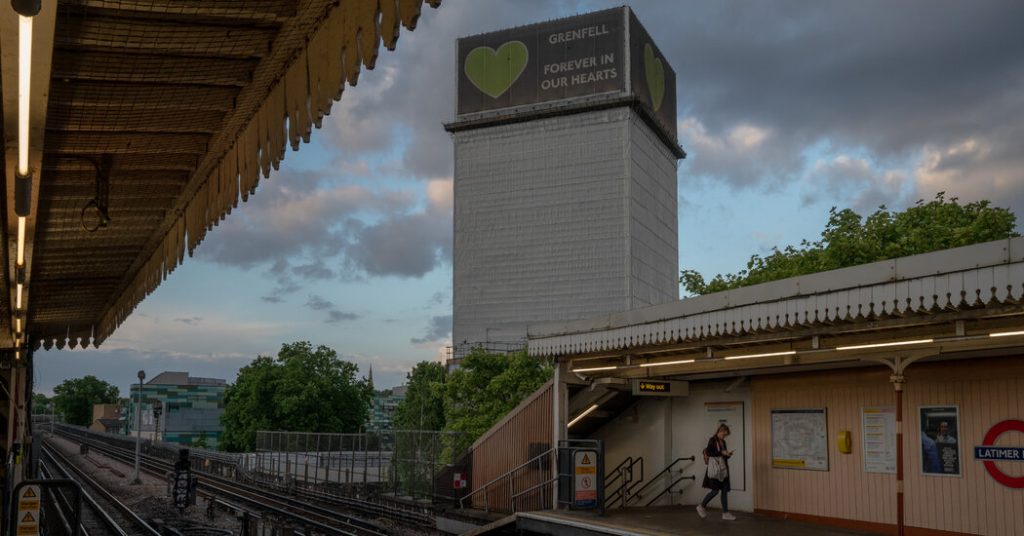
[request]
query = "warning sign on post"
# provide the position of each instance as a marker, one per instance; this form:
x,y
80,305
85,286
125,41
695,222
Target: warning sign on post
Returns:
x,y
585,473
28,511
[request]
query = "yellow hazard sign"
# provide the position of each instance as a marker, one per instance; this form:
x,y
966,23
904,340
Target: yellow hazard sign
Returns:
x,y
28,511
586,459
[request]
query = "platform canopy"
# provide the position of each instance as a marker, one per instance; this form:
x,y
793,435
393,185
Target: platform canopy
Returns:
x,y
956,303
162,115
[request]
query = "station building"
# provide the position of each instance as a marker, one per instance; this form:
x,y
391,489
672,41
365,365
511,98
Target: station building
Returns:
x,y
884,398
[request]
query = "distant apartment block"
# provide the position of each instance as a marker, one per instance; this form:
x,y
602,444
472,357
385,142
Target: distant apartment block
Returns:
x,y
384,405
189,409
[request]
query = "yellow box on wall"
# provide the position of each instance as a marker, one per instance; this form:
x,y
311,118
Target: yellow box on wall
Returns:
x,y
844,441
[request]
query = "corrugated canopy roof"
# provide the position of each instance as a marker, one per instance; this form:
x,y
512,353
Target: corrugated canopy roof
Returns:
x,y
183,104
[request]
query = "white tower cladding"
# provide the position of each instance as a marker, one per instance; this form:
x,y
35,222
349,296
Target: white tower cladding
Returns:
x,y
565,175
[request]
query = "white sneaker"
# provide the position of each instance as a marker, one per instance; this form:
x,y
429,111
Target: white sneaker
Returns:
x,y
728,517
701,512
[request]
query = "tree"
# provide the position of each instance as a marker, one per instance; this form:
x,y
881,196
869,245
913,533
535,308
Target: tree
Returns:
x,y
303,389
41,405
201,442
75,398
849,240
423,406
486,387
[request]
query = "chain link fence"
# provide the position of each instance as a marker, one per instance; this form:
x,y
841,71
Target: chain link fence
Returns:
x,y
406,463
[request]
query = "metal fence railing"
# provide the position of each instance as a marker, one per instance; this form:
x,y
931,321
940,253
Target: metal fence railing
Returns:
x,y
413,463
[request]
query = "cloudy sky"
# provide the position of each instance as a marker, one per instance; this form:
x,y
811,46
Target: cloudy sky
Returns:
x,y
785,109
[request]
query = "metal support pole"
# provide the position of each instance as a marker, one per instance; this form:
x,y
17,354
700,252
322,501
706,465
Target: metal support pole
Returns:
x,y
138,430
897,383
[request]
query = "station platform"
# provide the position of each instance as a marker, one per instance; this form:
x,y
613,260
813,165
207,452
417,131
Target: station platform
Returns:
x,y
654,521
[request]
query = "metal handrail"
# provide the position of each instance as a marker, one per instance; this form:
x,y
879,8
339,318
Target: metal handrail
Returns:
x,y
669,488
507,474
617,471
629,489
625,488
654,479
531,488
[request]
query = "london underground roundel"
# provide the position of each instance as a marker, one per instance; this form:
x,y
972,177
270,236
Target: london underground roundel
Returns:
x,y
989,453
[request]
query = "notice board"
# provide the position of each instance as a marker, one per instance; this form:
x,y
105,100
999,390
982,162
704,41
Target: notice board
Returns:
x,y
878,427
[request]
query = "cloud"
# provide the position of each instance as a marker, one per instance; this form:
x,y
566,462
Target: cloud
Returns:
x,y
273,298
437,298
317,303
189,321
308,226
991,166
895,83
867,186
334,316
439,329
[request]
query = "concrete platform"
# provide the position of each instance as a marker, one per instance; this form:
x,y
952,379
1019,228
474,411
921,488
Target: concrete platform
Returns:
x,y
666,521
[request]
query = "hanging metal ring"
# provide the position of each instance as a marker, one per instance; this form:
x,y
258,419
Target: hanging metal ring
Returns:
x,y
102,219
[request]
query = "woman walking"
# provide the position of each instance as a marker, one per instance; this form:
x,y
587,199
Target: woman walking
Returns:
x,y
716,477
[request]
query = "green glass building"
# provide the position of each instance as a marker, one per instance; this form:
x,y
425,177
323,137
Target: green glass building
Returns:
x,y
190,409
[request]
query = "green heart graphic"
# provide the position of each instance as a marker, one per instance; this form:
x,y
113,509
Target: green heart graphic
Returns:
x,y
655,72
494,71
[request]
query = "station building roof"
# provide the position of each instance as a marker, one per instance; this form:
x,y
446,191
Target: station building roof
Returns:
x,y
948,302
172,108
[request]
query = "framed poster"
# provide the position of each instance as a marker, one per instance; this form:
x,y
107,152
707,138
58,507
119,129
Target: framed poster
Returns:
x,y
731,415
878,428
940,440
800,439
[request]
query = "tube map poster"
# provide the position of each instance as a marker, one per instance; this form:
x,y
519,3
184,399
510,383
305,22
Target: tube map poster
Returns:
x,y
800,439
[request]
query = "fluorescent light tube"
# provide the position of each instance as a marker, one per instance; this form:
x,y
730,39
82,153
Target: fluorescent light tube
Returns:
x,y
884,344
769,354
586,412
594,369
684,361
1006,334
24,89
21,241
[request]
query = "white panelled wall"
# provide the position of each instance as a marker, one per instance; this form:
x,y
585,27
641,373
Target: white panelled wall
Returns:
x,y
663,429
560,219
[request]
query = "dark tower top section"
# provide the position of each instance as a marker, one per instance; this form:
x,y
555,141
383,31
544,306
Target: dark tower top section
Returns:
x,y
596,60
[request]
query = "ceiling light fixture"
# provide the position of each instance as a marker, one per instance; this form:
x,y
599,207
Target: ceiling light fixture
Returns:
x,y
586,412
1006,334
17,298
769,354
21,241
884,344
594,369
682,362
24,88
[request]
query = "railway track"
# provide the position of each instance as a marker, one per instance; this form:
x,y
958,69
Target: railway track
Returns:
x,y
308,518
102,513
